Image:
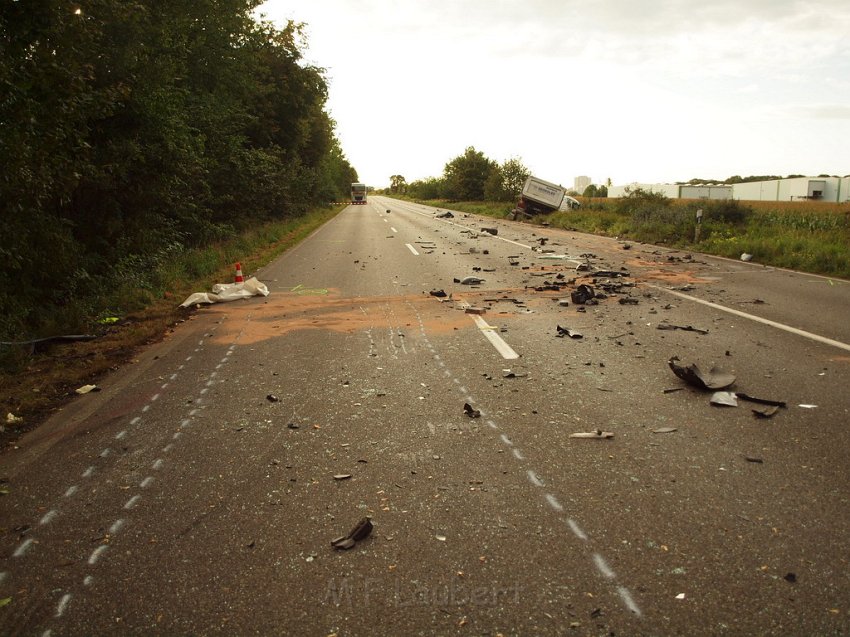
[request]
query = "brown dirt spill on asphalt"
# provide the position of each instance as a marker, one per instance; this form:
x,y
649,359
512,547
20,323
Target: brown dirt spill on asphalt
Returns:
x,y
649,271
284,313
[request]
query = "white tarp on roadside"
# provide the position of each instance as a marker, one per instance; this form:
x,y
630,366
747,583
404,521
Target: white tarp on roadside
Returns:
x,y
224,292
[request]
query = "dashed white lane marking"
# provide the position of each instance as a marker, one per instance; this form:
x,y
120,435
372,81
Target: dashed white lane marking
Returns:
x,y
518,454
167,448
462,389
116,526
157,465
48,517
23,547
144,484
146,408
95,555
576,529
120,434
758,319
88,580
173,377
412,249
71,491
105,452
536,481
132,502
627,600
393,229
3,576
553,502
204,390
194,412
488,331
88,472
507,440
176,435
602,566
63,604
188,358
136,420
185,423
154,398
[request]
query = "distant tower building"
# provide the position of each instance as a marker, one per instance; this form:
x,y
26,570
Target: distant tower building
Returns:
x,y
581,182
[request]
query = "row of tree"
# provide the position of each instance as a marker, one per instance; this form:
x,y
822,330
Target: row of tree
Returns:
x,y
468,177
128,129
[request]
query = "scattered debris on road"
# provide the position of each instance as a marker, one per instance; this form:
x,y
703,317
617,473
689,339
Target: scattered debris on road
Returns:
x,y
565,331
438,293
85,389
665,430
469,280
582,294
684,328
342,476
445,215
225,292
724,399
272,398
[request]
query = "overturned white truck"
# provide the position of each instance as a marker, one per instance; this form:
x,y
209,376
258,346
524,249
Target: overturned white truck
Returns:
x,y
541,197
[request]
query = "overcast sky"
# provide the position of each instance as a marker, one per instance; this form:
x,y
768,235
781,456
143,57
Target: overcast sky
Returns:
x,y
631,90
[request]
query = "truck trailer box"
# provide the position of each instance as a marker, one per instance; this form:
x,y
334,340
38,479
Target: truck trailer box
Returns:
x,y
543,192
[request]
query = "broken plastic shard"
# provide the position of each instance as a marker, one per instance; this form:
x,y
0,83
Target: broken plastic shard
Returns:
x,y
445,215
469,280
272,398
664,430
470,411
493,231
724,398
343,543
85,389
342,476
761,401
693,375
361,530
438,293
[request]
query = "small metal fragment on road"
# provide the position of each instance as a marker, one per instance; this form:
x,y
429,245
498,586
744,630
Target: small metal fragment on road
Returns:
x,y
342,476
469,280
360,532
765,412
724,399
593,435
470,411
761,401
565,331
684,328
754,459
713,379
664,430
272,398
673,389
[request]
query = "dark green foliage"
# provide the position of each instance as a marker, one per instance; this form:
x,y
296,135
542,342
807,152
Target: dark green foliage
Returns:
x,y
130,130
466,175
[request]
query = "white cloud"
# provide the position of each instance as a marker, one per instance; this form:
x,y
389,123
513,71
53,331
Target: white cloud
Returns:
x,y
634,90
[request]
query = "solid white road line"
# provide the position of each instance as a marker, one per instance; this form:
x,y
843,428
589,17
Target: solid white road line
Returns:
x,y
758,319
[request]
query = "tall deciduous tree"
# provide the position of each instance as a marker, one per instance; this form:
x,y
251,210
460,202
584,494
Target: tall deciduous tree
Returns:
x,y
466,175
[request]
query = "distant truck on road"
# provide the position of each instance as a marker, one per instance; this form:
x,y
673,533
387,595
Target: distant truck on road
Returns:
x,y
358,193
541,197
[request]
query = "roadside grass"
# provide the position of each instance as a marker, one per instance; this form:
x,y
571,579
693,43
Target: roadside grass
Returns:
x,y
809,236
35,383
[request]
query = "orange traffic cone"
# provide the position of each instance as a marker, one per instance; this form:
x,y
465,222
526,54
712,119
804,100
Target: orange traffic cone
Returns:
x,y
239,278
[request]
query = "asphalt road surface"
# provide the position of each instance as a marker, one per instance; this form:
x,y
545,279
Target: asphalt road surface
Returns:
x,y
200,490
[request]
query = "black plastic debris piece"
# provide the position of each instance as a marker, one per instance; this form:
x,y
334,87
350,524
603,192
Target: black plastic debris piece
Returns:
x,y
470,411
714,379
272,398
493,231
754,459
293,425
761,401
548,287
438,293
684,328
582,294
628,300
791,578
565,331
469,280
445,215
361,531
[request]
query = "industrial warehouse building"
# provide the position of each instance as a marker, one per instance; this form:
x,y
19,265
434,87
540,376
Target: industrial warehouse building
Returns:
x,y
833,189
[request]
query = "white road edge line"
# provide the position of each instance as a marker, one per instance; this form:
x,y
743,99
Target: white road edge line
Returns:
x,y
757,319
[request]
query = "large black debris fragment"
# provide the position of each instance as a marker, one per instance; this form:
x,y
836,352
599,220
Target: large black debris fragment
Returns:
x,y
469,280
493,231
610,274
445,215
761,401
582,294
438,293
714,379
